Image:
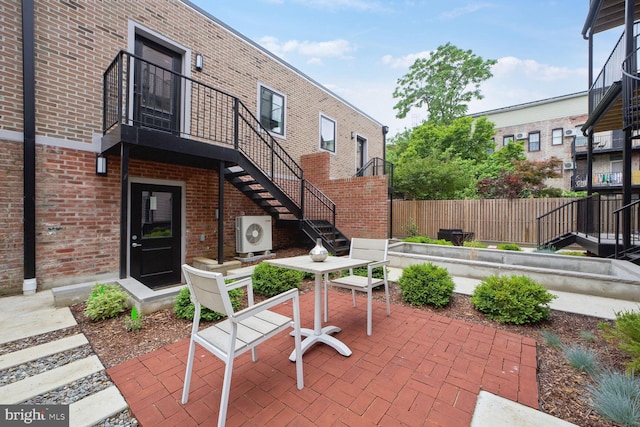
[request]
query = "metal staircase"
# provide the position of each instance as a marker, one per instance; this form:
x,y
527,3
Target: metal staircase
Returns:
x,y
263,171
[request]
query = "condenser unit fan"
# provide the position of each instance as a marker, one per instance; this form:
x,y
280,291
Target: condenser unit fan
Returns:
x,y
253,234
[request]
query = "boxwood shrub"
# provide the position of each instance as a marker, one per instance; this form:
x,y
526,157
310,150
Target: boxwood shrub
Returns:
x,y
423,284
512,299
105,301
269,280
184,308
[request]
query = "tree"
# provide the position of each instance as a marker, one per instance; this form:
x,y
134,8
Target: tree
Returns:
x,y
525,180
445,82
432,179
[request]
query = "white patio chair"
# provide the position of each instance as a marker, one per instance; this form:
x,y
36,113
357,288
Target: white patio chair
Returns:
x,y
240,331
374,250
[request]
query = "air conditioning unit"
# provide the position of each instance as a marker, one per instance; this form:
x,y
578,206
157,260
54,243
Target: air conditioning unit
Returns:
x,y
253,234
568,166
521,135
571,132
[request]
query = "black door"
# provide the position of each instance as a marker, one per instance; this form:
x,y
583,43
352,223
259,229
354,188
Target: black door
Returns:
x,y
361,148
155,243
157,91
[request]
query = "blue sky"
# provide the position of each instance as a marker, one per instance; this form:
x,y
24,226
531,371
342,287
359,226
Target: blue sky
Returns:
x,y
359,48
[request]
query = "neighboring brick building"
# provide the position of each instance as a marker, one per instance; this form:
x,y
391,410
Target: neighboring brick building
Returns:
x,y
547,128
186,102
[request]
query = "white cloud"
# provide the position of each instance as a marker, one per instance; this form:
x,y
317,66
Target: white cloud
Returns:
x,y
363,5
465,10
338,48
511,66
404,61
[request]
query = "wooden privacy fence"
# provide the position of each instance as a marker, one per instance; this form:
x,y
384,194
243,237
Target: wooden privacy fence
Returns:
x,y
492,220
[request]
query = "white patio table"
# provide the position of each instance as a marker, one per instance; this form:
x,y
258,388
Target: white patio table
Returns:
x,y
329,265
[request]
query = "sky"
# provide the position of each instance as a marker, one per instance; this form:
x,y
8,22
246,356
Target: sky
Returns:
x,y
360,48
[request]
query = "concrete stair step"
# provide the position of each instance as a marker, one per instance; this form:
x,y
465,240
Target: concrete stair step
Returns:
x,y
95,408
50,380
43,350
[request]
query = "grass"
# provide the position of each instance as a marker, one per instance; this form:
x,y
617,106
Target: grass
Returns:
x,y
617,396
551,338
582,359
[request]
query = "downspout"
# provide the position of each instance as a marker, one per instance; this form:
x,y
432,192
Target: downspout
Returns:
x,y
29,150
385,131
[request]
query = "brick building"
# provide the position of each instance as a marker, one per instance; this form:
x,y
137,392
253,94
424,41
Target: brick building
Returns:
x,y
547,128
133,134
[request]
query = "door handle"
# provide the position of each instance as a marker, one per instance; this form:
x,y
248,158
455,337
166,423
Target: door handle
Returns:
x,y
135,245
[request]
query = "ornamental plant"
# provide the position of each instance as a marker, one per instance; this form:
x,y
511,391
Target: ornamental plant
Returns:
x,y
105,301
134,321
423,284
512,299
185,309
509,247
269,280
625,333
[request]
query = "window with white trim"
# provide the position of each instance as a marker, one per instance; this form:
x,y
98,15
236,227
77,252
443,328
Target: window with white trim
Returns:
x,y
556,136
534,141
507,139
327,134
272,108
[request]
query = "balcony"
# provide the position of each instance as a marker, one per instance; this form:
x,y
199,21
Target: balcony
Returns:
x,y
603,180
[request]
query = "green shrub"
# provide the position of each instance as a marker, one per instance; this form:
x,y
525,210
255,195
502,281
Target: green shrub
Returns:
x,y
134,321
617,396
425,239
512,299
411,229
105,301
626,335
423,284
509,247
582,359
269,280
572,253
474,244
588,336
184,308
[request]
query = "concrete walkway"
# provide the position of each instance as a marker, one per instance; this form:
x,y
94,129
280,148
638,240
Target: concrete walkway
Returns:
x,y
29,316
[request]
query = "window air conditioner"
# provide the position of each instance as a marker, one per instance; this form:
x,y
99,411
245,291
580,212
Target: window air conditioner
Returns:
x,y
253,234
568,166
571,132
521,135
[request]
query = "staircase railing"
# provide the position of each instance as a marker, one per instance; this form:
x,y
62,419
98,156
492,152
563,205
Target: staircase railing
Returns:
x,y
634,217
377,166
207,114
319,207
630,91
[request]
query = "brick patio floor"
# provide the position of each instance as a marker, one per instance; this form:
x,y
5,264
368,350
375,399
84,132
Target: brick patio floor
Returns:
x,y
417,369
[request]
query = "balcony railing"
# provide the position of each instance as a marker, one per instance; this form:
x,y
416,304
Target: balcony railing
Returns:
x,y
377,166
602,179
611,72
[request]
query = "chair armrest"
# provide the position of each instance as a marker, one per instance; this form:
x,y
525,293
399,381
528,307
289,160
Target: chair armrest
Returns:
x,y
266,304
243,282
378,263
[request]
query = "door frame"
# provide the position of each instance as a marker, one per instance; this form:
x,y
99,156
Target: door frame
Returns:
x,y
183,216
135,29
361,156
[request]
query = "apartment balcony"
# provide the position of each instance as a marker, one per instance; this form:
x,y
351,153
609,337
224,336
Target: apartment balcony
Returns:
x,y
603,180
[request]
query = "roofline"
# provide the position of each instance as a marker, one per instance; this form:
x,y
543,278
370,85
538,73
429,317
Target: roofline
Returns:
x,y
594,7
530,104
277,59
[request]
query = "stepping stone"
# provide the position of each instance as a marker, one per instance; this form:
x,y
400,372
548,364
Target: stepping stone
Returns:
x,y
43,350
95,408
50,380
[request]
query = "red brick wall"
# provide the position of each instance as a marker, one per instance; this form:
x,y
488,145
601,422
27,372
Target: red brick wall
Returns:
x,y
362,204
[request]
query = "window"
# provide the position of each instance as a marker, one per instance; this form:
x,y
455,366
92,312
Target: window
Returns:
x,y
327,134
507,139
272,107
556,137
534,141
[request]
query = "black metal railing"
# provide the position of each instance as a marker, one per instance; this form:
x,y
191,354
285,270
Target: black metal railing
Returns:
x,y
610,73
631,92
319,207
377,166
633,211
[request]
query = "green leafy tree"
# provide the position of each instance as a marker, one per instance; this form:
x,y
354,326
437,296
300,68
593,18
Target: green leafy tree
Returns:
x,y
445,83
430,178
525,180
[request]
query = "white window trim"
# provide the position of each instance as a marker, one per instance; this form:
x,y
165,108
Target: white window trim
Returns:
x,y
185,113
335,130
561,137
284,115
